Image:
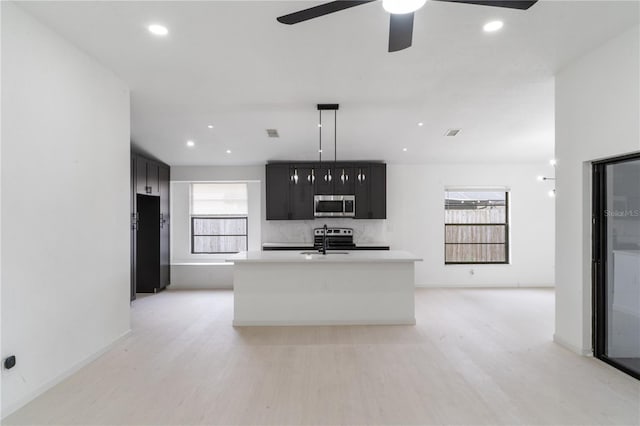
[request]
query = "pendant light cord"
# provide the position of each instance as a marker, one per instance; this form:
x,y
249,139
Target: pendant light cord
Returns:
x,y
320,129
335,136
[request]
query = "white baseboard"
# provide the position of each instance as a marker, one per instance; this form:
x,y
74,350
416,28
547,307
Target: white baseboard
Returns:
x,y
321,323
59,378
472,286
573,348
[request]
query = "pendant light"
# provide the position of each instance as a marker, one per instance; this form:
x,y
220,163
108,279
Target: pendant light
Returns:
x,y
328,177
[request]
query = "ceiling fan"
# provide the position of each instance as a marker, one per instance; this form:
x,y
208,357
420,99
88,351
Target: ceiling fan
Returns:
x,y
401,11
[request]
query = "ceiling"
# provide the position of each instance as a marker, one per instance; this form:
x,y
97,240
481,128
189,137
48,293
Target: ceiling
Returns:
x,y
230,64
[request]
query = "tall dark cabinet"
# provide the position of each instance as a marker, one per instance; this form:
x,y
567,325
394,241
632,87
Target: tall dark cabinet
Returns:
x,y
150,270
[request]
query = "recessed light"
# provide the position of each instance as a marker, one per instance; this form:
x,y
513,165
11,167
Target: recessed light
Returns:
x,y
552,193
404,149
553,162
191,144
492,26
210,126
540,178
228,151
159,30
421,124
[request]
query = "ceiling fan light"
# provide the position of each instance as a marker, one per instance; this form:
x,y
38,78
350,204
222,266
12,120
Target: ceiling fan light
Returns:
x,y
399,7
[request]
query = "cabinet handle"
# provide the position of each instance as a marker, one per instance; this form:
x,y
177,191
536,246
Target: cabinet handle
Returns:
x,y
328,177
312,177
344,177
361,176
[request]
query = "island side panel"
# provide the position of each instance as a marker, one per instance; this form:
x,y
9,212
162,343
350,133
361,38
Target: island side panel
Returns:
x,y
323,293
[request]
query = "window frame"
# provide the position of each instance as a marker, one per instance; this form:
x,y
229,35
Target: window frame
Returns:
x,y
507,229
193,235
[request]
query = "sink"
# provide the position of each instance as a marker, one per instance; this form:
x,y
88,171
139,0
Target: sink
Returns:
x,y
311,253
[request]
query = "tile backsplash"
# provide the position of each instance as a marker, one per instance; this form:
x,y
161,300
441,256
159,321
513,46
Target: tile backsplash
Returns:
x,y
301,231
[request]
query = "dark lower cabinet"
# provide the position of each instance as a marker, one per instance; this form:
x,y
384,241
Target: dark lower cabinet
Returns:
x,y
163,183
133,228
150,261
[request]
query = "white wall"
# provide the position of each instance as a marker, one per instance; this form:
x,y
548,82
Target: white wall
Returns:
x,y
597,116
196,271
65,204
415,206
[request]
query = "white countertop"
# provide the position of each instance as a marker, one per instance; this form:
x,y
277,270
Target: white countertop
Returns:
x,y
294,244
375,256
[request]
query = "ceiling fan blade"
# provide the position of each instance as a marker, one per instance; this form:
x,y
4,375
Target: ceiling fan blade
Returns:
x,y
511,4
317,11
400,31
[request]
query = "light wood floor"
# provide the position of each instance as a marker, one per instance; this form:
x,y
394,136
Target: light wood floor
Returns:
x,y
474,357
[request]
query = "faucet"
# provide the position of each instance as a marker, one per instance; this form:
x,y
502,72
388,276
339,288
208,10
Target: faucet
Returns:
x,y
323,250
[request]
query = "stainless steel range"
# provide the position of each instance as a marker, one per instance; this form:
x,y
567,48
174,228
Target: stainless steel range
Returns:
x,y
337,238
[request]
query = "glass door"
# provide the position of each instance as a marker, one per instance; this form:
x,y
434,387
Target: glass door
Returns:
x,y
616,262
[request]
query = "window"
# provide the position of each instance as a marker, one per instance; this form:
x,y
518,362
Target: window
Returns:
x,y
476,227
218,218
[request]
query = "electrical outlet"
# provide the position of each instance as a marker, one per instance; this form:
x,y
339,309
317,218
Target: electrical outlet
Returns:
x,y
10,362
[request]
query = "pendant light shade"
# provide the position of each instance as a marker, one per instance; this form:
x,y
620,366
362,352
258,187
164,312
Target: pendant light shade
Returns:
x,y
400,7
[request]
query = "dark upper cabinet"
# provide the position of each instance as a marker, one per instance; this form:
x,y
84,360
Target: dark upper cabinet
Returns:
x,y
277,191
141,174
378,191
301,188
343,180
361,191
324,179
147,176
291,198
334,179
153,178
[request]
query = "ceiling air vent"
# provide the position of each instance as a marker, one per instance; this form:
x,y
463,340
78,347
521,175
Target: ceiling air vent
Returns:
x,y
273,133
452,132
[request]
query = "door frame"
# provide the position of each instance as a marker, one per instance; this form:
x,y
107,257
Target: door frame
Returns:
x,y
599,260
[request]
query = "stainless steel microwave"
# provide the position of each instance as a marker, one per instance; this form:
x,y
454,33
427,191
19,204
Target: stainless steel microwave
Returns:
x,y
334,205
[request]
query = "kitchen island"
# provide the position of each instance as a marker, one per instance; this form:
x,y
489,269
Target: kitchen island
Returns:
x,y
308,288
